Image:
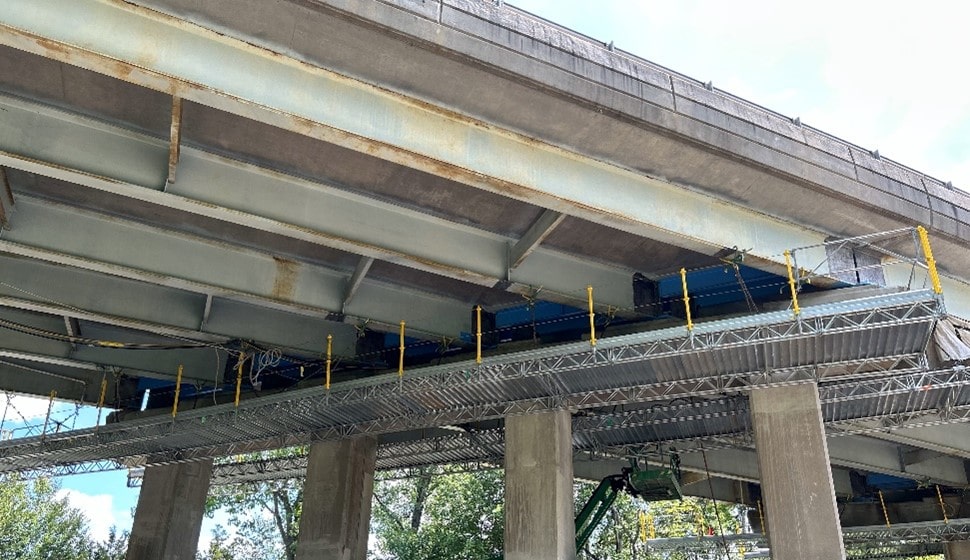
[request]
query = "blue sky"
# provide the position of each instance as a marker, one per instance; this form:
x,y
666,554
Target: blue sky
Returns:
x,y
884,75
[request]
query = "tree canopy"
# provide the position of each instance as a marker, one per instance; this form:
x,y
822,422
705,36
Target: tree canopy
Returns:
x,y
35,524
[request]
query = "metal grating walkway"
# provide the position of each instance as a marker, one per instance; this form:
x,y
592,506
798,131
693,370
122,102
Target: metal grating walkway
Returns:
x,y
897,541
865,339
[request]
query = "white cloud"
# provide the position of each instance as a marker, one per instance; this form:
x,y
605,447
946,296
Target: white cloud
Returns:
x,y
220,517
22,407
881,75
98,509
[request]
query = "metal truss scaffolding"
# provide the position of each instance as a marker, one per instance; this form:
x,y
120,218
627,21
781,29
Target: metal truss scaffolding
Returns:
x,y
897,541
876,342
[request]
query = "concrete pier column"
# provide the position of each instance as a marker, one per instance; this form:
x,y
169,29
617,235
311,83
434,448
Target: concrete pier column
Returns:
x,y
168,518
539,521
337,499
796,478
957,550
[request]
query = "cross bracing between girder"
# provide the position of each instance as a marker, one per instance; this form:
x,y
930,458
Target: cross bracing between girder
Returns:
x,y
108,158
356,116
721,356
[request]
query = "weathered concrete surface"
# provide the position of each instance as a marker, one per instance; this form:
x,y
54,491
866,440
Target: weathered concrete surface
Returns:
x,y
168,519
337,500
539,487
608,103
957,550
799,495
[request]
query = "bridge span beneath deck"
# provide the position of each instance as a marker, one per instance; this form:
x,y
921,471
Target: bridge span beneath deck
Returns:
x,y
413,232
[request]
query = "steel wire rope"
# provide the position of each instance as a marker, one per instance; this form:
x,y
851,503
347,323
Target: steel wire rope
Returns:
x,y
84,341
107,344
717,516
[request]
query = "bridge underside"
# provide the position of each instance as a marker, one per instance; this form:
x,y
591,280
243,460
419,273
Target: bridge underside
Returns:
x,y
193,191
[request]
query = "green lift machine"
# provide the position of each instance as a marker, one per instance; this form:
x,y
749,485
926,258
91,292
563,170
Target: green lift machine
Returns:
x,y
648,484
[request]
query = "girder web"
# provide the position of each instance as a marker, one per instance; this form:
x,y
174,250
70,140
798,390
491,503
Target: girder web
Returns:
x,y
719,358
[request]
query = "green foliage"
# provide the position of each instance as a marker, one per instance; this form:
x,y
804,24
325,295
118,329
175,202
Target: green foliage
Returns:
x,y
114,548
265,516
221,548
37,525
438,513
620,537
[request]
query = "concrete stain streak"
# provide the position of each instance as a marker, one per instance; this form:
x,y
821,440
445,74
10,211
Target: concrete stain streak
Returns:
x,y
284,282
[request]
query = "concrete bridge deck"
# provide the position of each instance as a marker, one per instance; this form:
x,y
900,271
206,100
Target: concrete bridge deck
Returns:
x,y
184,179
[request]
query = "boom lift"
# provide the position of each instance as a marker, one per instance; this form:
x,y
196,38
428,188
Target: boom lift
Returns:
x,y
647,484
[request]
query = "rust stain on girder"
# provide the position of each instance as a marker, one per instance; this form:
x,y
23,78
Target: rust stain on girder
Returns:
x,y
251,108
6,197
147,77
284,283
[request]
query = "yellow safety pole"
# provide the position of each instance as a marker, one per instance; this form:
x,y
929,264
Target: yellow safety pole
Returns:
x,y
50,408
178,389
761,517
924,240
239,369
885,512
683,282
791,284
939,496
326,383
643,527
400,358
592,316
104,390
478,334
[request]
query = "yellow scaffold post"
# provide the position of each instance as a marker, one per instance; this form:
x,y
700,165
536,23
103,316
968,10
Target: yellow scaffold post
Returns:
x,y
50,408
683,282
791,284
939,496
761,518
178,389
478,334
924,240
400,358
643,527
239,369
592,316
885,512
326,382
104,391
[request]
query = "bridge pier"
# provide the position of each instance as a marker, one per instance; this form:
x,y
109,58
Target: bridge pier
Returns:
x,y
337,500
168,518
796,480
957,550
539,487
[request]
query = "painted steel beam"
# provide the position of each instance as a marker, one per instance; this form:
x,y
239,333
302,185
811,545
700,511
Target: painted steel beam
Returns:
x,y
846,452
201,365
534,236
873,455
76,149
951,439
353,285
165,54
85,240
71,385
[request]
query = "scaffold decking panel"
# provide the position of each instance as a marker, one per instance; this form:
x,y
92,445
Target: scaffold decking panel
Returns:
x,y
847,340
878,541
